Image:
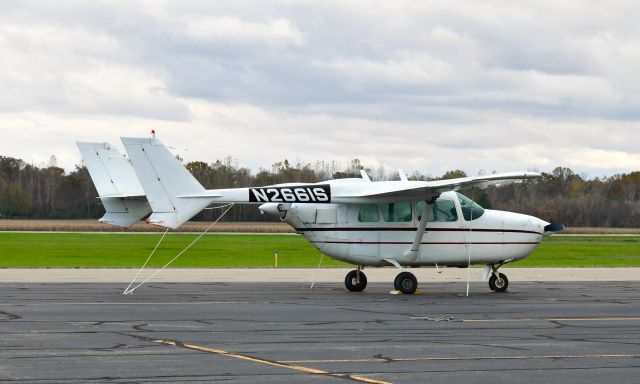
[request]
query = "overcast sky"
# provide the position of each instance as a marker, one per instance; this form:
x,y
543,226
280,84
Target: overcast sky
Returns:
x,y
421,85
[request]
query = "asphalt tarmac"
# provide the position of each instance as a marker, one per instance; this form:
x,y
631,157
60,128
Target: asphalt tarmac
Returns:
x,y
538,332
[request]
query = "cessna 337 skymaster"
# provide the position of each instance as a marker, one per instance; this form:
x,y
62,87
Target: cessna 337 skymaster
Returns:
x,y
365,223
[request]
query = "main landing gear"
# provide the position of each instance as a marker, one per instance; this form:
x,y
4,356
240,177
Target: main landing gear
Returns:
x,y
405,282
498,282
356,280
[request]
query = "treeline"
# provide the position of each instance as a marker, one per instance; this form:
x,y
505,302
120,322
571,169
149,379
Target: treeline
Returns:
x,y
28,191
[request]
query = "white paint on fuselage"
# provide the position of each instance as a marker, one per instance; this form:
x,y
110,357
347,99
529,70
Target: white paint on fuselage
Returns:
x,y
494,237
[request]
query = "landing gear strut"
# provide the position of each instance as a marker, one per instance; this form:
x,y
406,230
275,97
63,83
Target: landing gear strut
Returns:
x,y
498,282
356,280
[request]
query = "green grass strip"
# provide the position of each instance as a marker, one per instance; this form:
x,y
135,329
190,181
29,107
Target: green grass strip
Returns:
x,y
585,251
87,250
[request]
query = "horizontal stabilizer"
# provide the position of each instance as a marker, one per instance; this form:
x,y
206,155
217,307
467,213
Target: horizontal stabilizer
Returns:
x,y
131,197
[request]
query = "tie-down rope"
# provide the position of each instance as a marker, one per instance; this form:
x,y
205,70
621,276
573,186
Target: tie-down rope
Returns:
x,y
130,290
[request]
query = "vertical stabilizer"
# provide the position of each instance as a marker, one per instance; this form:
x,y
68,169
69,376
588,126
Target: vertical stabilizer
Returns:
x,y
115,180
164,181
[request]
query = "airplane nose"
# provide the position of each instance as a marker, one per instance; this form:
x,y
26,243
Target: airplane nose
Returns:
x,y
524,222
553,227
542,224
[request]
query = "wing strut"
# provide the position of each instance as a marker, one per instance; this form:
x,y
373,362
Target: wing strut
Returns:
x,y
413,253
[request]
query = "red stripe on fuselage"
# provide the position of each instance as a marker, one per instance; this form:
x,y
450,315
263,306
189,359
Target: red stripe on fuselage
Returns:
x,y
410,229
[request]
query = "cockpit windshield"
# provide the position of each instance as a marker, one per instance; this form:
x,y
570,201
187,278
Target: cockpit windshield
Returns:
x,y
470,209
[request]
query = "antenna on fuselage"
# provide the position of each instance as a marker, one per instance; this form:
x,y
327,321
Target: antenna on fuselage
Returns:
x,y
364,175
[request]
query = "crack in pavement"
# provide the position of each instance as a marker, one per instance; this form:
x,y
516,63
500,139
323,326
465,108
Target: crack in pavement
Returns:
x,y
10,316
254,359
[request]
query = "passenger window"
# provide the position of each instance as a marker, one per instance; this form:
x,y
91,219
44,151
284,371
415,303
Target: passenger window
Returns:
x,y
443,211
368,214
396,212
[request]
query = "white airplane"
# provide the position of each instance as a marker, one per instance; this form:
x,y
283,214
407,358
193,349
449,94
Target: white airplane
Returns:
x,y
369,224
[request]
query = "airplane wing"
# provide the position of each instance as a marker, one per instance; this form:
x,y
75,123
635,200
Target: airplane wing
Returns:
x,y
482,181
417,190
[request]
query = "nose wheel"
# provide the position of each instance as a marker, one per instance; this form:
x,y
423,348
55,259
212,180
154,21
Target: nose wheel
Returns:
x,y
355,281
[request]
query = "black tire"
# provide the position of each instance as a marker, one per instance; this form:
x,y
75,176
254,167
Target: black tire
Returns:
x,y
499,283
355,281
406,283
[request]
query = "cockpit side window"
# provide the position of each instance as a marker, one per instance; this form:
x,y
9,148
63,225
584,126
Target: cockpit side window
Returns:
x,y
368,213
470,209
396,212
444,210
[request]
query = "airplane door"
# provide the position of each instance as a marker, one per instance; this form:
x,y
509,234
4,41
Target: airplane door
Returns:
x,y
397,228
366,235
443,242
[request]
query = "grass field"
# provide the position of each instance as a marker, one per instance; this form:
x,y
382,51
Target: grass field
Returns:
x,y
81,250
131,250
91,225
587,251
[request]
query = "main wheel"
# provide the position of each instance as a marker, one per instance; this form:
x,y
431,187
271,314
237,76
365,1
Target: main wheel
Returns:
x,y
498,283
355,281
406,283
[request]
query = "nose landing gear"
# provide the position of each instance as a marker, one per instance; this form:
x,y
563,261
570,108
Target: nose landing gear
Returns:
x,y
498,282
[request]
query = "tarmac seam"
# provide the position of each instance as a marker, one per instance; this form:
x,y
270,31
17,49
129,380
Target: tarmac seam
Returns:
x,y
82,303
467,358
554,319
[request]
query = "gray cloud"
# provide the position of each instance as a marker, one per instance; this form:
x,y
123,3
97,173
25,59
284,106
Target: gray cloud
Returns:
x,y
437,85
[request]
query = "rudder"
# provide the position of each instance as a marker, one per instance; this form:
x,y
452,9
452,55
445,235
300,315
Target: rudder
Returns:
x,y
164,181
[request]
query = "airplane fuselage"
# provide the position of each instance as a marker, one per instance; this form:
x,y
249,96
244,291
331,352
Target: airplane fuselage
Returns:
x,y
342,232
